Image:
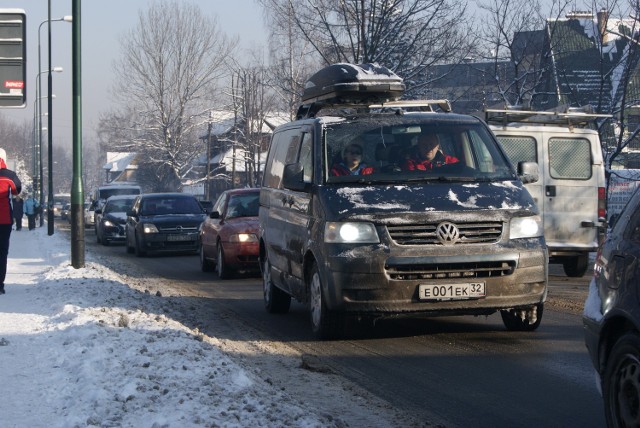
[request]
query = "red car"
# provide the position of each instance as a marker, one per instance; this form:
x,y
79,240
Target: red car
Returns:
x,y
229,235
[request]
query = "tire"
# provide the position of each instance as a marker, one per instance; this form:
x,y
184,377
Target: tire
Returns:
x,y
513,321
324,323
577,266
105,242
621,383
138,249
221,267
98,237
130,249
276,301
205,264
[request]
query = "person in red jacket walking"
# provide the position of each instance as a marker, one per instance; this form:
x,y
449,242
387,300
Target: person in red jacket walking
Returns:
x,y
351,163
10,186
428,155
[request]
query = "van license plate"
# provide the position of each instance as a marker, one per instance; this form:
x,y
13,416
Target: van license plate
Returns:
x,y
471,290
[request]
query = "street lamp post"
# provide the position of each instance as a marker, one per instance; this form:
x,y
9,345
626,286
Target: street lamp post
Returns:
x,y
38,162
50,219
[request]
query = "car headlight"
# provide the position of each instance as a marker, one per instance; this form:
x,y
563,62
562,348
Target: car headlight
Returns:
x,y
243,237
350,233
109,223
526,227
149,228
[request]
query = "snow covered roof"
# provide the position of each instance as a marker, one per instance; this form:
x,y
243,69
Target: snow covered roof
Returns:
x,y
118,162
226,160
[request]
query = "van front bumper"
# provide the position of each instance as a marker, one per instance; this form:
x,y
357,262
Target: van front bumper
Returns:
x,y
389,285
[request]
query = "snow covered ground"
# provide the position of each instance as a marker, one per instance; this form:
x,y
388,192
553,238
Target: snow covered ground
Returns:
x,y
80,347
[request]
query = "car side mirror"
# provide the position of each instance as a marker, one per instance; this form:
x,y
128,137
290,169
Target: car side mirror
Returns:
x,y
131,213
214,215
528,172
98,211
292,177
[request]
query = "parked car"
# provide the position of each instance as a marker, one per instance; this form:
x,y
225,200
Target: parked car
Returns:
x,y
111,219
612,318
229,236
459,236
163,222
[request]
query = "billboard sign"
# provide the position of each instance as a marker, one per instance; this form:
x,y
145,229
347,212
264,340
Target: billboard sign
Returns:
x,y
13,58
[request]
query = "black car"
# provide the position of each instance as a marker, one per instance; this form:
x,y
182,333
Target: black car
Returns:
x,y
612,318
163,222
111,219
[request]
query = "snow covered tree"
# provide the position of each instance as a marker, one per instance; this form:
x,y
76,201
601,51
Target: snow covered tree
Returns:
x,y
169,66
406,36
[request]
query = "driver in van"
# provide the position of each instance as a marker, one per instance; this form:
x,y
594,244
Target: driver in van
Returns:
x,y
351,163
427,155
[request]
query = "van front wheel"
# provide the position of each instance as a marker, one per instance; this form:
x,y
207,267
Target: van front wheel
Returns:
x,y
324,323
576,267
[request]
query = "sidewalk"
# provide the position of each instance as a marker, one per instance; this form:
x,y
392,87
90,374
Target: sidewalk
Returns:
x,y
79,347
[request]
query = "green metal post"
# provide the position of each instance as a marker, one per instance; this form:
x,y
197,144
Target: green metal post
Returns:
x,y
77,191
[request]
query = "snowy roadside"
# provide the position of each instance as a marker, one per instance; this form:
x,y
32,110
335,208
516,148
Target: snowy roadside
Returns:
x,y
81,347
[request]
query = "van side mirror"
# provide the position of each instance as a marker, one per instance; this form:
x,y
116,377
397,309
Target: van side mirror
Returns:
x,y
214,214
528,172
292,177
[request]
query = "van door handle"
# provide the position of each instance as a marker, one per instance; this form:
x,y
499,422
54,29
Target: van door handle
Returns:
x,y
550,190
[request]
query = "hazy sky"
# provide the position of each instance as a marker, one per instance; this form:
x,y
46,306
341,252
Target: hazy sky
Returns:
x,y
103,23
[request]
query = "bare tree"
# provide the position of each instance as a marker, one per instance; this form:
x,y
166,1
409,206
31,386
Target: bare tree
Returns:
x,y
407,36
513,40
167,73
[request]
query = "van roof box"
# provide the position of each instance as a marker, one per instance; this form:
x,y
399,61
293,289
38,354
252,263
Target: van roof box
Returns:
x,y
562,115
348,85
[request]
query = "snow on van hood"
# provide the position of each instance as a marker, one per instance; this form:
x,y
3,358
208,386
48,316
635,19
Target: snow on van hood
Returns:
x,y
419,198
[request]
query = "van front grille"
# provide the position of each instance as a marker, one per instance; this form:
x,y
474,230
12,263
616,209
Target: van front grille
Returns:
x,y
451,270
426,234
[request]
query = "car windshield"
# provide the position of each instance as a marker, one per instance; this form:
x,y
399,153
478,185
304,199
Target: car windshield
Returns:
x,y
117,206
170,205
243,205
412,147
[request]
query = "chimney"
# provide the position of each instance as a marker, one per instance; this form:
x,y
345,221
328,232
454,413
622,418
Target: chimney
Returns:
x,y
603,17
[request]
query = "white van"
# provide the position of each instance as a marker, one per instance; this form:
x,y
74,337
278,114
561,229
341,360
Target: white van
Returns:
x,y
571,191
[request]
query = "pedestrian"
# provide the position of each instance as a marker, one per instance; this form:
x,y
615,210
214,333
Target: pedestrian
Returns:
x,y
18,211
9,185
31,207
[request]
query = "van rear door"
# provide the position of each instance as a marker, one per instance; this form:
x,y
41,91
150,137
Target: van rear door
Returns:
x,y
575,172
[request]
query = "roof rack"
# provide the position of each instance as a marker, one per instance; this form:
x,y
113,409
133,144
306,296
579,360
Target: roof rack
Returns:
x,y
422,105
570,116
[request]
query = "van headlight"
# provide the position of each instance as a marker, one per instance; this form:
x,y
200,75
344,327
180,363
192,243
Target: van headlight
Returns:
x,y
350,233
526,227
149,228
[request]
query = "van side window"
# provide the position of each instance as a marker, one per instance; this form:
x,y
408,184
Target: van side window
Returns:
x,y
284,151
570,158
305,158
519,149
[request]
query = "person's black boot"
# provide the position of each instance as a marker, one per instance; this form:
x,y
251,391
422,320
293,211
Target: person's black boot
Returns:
x,y
1,288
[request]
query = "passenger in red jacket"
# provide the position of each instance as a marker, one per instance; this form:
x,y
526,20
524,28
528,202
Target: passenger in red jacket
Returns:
x,y
351,163
428,155
9,186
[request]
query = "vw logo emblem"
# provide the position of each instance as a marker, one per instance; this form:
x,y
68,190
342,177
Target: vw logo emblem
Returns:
x,y
447,233
179,228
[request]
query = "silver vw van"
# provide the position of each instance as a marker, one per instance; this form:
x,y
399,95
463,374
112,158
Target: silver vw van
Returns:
x,y
463,238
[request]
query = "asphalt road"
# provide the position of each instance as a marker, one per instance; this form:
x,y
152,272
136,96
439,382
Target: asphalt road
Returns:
x,y
453,372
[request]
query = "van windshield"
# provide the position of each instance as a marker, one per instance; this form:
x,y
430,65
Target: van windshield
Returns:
x,y
412,147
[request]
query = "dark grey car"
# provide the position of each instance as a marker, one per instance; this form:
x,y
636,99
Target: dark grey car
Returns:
x,y
111,219
612,318
164,222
